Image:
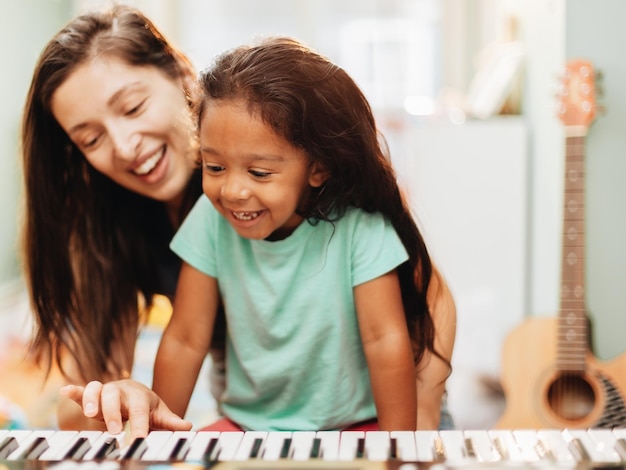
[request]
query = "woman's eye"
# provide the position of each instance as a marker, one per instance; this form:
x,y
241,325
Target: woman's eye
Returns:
x,y
134,109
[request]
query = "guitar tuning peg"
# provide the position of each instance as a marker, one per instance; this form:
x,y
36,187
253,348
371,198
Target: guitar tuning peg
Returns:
x,y
600,109
599,90
599,75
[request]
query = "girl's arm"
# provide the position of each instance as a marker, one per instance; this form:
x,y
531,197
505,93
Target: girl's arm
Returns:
x,y
186,339
388,351
432,372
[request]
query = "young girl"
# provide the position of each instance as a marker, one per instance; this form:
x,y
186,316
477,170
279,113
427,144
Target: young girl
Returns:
x,y
302,231
109,144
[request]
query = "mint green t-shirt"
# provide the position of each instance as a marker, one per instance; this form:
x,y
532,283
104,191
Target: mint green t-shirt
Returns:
x,y
294,358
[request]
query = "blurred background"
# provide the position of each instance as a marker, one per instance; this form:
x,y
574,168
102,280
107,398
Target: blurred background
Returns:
x,y
466,93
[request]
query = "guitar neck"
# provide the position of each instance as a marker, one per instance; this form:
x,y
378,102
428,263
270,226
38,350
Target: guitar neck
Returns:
x,y
573,335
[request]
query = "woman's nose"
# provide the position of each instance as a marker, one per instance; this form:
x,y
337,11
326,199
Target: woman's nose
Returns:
x,y
125,143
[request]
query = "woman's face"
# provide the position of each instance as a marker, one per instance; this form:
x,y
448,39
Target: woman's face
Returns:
x,y
132,123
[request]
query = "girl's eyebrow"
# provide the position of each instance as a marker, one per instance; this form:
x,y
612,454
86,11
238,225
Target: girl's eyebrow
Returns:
x,y
255,157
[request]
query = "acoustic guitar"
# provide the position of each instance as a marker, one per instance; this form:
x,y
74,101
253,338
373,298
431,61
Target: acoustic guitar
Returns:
x,y
550,376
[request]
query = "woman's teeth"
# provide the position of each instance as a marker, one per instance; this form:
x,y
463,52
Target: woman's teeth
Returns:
x,y
246,215
147,166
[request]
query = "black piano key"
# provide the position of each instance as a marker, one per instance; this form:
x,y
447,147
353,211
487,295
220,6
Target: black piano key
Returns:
x,y
620,447
137,448
393,448
316,448
469,450
256,448
208,452
8,446
35,449
179,452
286,448
360,448
78,449
578,449
108,450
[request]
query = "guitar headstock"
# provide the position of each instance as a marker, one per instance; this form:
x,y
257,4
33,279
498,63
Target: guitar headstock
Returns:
x,y
577,106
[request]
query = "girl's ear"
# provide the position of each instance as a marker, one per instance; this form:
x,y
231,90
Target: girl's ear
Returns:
x,y
318,175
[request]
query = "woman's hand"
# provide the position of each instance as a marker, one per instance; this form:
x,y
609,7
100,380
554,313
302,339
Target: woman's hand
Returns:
x,y
115,402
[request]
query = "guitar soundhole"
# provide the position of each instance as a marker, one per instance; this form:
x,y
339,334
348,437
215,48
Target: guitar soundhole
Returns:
x,y
571,397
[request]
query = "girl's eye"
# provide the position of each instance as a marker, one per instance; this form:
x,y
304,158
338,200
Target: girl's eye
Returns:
x,y
213,168
89,143
260,174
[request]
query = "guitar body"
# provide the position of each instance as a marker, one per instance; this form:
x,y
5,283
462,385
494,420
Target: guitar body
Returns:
x,y
539,395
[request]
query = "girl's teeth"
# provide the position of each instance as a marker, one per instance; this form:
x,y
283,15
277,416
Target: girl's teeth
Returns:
x,y
149,164
246,215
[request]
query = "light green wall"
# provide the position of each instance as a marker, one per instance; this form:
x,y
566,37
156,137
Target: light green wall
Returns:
x,y
25,26
595,30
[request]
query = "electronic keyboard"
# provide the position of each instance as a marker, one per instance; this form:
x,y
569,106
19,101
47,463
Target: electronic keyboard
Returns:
x,y
349,450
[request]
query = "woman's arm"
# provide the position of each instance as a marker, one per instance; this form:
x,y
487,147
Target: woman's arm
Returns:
x,y
432,372
388,351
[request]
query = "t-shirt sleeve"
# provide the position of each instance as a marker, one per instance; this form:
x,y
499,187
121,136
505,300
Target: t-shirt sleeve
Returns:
x,y
194,242
376,247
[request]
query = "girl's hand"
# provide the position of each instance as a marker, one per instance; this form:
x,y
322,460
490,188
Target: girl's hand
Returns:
x,y
115,402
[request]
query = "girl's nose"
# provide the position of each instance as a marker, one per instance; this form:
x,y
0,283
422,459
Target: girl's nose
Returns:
x,y
233,189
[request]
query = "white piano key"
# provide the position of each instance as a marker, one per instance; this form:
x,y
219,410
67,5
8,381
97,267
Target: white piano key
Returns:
x,y
425,442
329,444
199,445
406,447
58,441
597,450
166,450
301,443
527,441
454,445
349,443
227,444
155,442
101,439
483,445
377,445
274,444
606,441
247,444
555,445
27,440
62,451
506,445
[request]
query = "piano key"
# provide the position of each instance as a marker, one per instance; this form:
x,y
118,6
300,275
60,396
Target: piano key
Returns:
x,y
177,446
620,442
203,442
154,443
377,446
59,440
249,447
482,444
426,443
528,443
605,442
506,445
301,443
555,446
8,446
104,445
406,448
596,448
329,444
349,444
77,450
227,444
277,445
28,439
454,445
135,450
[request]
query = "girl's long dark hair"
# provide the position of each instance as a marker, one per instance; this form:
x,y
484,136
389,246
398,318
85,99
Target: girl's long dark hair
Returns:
x,y
90,246
317,107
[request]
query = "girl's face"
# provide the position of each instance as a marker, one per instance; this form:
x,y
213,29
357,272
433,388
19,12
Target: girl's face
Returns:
x,y
254,177
132,124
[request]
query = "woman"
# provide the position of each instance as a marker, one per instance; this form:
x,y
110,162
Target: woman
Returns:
x,y
108,145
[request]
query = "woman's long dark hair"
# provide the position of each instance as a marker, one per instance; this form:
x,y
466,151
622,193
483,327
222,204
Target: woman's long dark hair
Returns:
x,y
90,246
317,107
